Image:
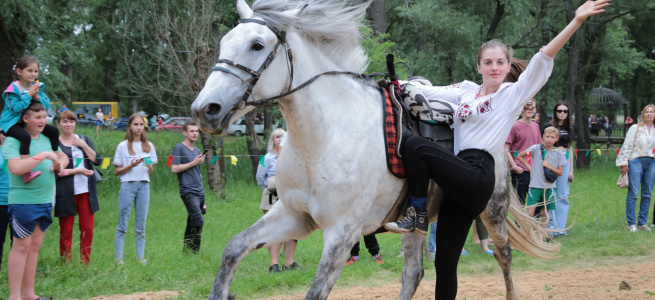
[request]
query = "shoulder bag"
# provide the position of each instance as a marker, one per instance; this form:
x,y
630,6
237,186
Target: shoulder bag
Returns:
x,y
623,181
548,173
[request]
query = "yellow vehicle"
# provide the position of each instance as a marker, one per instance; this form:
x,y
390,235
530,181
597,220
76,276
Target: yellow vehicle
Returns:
x,y
90,108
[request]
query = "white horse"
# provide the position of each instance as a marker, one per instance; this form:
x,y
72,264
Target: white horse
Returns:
x,y
333,174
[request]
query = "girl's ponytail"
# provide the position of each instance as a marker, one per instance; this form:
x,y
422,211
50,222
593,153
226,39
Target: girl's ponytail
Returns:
x,y
517,67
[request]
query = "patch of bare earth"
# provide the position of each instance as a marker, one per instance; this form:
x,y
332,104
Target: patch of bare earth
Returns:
x,y
594,283
140,296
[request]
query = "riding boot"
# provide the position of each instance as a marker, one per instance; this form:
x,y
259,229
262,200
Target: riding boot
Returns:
x,y
405,224
422,222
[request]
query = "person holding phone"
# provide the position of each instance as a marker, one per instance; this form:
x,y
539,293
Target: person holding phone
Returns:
x,y
186,164
133,161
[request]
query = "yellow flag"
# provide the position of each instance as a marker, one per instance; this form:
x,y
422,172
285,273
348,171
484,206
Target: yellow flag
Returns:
x,y
598,150
233,159
105,163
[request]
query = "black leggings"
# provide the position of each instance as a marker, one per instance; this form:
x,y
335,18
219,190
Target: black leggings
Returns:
x,y
467,180
371,243
18,132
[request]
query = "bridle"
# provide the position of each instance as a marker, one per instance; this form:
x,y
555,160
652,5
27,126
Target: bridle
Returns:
x,y
281,40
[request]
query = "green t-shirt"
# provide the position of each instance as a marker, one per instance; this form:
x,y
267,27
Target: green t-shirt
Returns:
x,y
39,190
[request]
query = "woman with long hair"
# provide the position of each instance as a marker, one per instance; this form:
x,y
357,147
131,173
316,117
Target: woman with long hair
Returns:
x,y
562,121
134,160
76,191
636,158
266,181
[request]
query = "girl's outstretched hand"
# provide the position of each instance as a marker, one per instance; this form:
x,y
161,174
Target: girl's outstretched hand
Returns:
x,y
591,8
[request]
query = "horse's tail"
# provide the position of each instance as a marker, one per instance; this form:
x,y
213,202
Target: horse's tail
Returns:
x,y
526,233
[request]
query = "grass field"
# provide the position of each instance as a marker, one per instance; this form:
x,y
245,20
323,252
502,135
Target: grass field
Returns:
x,y
599,237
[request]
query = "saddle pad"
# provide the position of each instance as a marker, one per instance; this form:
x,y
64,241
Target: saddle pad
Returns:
x,y
394,162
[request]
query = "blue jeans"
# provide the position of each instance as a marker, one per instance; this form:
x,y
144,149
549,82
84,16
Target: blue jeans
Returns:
x,y
642,171
559,216
137,194
432,244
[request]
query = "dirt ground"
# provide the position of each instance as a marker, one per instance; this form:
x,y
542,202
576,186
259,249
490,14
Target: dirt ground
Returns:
x,y
583,284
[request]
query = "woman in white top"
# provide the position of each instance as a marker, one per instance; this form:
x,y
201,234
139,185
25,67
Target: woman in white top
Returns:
x,y
636,158
134,160
101,119
482,121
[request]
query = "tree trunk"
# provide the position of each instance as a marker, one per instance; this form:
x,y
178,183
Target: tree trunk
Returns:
x,y
215,172
377,13
498,16
9,53
216,178
254,150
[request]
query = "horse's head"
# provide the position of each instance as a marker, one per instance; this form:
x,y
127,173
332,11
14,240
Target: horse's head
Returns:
x,y
253,62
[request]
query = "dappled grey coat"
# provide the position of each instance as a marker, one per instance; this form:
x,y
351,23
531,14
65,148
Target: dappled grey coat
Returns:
x,y
65,198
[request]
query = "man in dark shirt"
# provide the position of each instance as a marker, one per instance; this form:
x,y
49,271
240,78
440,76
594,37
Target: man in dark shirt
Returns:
x,y
186,164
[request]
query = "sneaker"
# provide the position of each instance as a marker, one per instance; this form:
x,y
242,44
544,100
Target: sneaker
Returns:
x,y
120,262
378,259
352,260
31,175
405,224
143,261
291,267
644,227
422,222
632,228
274,269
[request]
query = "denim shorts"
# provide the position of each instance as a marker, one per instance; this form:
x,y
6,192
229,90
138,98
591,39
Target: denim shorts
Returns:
x,y
24,217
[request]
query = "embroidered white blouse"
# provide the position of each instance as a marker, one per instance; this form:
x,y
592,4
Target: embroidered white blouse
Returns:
x,y
636,147
484,122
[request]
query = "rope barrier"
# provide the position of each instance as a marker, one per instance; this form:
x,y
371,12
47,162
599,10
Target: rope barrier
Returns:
x,y
234,157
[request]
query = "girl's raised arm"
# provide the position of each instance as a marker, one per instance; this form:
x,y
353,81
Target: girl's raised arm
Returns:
x,y
583,12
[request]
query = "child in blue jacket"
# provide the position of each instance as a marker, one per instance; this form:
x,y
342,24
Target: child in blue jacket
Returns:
x,y
18,96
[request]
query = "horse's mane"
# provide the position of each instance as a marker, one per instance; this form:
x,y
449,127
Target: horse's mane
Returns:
x,y
333,25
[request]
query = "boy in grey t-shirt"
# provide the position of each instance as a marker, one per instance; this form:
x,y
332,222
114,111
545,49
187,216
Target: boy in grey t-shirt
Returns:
x,y
543,192
186,164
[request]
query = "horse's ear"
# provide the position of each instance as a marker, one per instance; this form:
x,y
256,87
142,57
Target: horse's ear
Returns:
x,y
243,9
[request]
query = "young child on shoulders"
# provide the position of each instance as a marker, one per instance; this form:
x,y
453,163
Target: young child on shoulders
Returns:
x,y
18,96
543,192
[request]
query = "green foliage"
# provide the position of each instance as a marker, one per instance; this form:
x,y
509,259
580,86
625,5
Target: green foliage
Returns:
x,y
377,47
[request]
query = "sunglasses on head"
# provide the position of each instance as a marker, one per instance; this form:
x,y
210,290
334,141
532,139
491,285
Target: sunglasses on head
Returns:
x,y
562,111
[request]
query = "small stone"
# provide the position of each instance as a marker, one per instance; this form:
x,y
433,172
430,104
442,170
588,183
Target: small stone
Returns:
x,y
624,286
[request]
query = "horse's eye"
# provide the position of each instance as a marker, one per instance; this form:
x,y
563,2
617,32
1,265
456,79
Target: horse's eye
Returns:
x,y
257,46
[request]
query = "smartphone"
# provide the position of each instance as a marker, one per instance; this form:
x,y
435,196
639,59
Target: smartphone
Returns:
x,y
205,152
